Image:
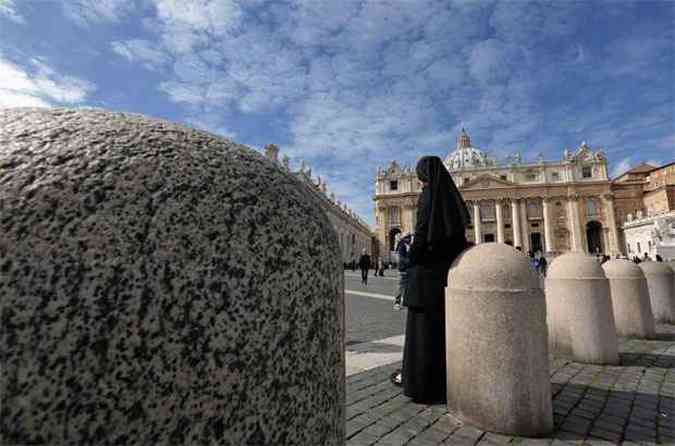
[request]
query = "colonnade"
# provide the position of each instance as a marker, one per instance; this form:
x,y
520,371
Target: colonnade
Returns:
x,y
520,222
571,218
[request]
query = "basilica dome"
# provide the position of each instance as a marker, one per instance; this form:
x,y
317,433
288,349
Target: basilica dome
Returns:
x,y
466,157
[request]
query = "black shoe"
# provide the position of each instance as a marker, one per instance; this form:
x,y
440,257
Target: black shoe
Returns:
x,y
396,378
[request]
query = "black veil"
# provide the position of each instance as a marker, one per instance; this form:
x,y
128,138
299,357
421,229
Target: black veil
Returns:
x,y
449,214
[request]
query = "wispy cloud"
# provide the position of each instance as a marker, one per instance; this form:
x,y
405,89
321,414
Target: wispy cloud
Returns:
x,y
38,85
87,13
143,51
351,85
8,9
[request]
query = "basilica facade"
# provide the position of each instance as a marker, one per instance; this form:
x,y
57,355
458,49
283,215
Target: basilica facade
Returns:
x,y
546,206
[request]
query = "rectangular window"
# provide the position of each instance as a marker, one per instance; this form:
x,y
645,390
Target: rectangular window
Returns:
x,y
487,211
503,177
555,176
639,248
394,216
534,210
586,172
393,185
628,246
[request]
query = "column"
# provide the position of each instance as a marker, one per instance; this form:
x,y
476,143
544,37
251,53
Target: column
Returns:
x,y
500,221
613,248
515,223
476,222
411,218
549,241
524,224
575,228
385,231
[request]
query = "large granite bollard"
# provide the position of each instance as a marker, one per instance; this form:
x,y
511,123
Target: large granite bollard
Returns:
x,y
661,290
580,318
161,285
496,338
630,299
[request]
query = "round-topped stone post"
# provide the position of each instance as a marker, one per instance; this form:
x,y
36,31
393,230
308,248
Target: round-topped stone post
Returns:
x,y
630,299
661,290
496,338
580,316
162,285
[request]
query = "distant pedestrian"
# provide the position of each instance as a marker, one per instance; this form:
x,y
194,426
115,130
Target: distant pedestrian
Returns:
x,y
439,238
402,249
533,260
659,258
364,266
542,266
646,258
380,267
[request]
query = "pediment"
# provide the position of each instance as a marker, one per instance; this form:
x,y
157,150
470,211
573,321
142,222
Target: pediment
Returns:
x,y
487,182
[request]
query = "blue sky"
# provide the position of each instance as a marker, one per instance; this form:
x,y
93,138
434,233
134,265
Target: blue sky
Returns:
x,y
350,85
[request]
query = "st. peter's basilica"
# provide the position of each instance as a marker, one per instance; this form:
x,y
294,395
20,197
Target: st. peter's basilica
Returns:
x,y
546,206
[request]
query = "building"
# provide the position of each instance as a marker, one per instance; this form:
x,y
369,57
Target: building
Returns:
x,y
354,233
646,210
547,206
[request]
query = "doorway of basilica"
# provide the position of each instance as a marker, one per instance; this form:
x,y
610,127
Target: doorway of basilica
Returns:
x,y
594,237
535,242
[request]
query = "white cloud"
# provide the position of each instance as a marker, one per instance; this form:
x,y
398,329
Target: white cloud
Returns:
x,y
213,16
143,51
186,24
8,9
92,12
358,82
40,86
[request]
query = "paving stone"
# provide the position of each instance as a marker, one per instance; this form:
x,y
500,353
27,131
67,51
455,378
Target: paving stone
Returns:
x,y
495,439
605,435
576,425
614,405
531,441
363,438
465,435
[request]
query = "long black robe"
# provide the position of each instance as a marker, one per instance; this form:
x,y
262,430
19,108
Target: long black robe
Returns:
x,y
424,360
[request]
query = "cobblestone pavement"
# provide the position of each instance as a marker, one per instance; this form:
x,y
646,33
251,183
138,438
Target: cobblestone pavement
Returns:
x,y
630,404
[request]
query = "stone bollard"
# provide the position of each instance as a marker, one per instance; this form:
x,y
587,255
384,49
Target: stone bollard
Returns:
x,y
630,299
661,290
497,352
161,285
580,318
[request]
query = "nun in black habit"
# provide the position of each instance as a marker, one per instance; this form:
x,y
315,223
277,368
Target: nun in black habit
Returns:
x,y
440,237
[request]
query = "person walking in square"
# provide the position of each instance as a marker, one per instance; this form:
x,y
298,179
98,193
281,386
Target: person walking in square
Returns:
x,y
439,238
364,265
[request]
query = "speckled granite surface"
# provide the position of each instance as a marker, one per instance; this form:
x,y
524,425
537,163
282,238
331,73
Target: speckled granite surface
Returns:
x,y
161,285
